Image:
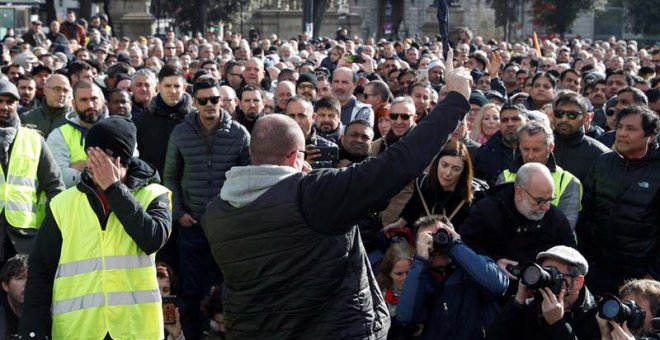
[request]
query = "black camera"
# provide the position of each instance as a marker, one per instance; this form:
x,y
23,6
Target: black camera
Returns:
x,y
442,240
611,308
536,277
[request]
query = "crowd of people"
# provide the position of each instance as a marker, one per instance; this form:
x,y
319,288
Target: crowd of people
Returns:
x,y
327,188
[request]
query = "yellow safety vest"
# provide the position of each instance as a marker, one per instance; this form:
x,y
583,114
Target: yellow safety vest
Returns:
x,y
18,189
104,282
560,177
75,141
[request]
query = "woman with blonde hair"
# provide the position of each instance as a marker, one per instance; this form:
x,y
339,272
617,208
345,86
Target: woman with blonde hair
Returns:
x,y
486,123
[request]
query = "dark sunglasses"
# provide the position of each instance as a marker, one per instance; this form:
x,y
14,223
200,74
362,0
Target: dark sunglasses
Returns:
x,y
404,116
204,101
570,114
610,112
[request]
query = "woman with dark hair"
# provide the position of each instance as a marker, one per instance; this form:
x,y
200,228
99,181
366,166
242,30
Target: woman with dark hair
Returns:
x,y
448,189
543,91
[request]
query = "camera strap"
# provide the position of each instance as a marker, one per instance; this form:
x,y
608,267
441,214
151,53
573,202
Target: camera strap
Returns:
x,y
426,207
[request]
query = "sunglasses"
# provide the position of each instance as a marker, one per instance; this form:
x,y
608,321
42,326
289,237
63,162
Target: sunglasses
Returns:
x,y
610,112
570,114
204,101
404,116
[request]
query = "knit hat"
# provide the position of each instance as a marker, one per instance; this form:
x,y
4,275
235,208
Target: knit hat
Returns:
x,y
435,63
308,77
6,87
566,254
478,98
115,135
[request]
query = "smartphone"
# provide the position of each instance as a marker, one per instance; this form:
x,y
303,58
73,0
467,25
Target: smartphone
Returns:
x,y
328,153
354,58
169,310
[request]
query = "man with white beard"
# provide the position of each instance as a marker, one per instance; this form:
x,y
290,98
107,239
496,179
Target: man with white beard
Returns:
x,y
517,221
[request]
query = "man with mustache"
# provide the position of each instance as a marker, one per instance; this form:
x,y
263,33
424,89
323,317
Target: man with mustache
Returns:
x,y
516,221
327,123
574,151
498,152
68,141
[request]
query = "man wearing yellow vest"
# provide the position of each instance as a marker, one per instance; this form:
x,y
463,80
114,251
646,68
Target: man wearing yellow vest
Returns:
x,y
67,141
536,142
94,275
28,176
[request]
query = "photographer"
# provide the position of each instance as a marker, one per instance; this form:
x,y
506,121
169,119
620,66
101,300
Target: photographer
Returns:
x,y
646,294
562,308
449,288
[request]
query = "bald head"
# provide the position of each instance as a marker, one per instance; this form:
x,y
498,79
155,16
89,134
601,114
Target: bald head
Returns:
x,y
532,174
273,139
57,91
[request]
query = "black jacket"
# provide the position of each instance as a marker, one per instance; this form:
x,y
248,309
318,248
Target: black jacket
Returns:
x,y
492,158
293,261
439,201
195,170
577,153
317,141
607,138
496,229
620,222
155,125
243,120
525,322
149,227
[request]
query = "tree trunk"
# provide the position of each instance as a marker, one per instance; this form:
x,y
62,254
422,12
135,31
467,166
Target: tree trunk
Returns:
x,y
51,14
319,12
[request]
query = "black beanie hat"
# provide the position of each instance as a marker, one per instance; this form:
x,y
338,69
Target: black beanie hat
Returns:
x,y
308,77
115,135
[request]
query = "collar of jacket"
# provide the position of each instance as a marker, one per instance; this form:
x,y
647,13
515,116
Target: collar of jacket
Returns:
x,y
344,154
551,164
54,111
333,135
223,124
573,139
651,154
177,112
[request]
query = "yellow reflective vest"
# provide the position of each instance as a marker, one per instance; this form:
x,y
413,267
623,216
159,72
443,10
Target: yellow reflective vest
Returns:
x,y
18,188
560,177
104,282
75,141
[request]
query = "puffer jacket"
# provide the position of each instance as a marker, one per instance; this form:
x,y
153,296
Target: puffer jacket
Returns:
x,y
577,153
194,171
619,224
155,125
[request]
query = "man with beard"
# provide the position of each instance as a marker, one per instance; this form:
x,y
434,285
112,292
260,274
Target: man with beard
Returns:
x,y
574,151
27,88
307,86
516,221
595,92
52,114
119,103
283,92
327,123
201,149
302,111
67,142
498,152
355,143
31,176
251,106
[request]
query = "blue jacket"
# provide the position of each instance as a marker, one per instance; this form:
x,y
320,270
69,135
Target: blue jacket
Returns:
x,y
462,306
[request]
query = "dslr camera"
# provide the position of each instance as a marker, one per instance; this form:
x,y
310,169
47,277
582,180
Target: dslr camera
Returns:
x,y
442,240
611,308
536,277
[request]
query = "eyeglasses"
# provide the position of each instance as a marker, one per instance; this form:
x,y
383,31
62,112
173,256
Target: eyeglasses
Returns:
x,y
403,116
539,201
570,114
203,101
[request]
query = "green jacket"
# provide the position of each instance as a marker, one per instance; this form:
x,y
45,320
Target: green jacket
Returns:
x,y
46,118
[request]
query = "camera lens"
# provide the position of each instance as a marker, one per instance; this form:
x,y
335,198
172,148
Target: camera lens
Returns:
x,y
610,309
531,275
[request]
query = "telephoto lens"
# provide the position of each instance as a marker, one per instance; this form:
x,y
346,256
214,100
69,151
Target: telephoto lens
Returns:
x,y
442,240
611,308
537,277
